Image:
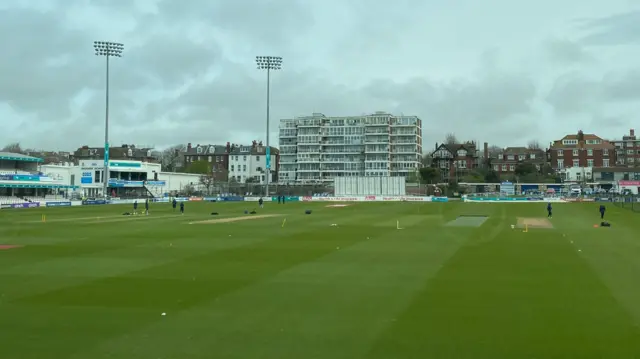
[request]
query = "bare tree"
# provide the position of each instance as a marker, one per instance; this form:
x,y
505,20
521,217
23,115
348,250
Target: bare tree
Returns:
x,y
172,158
13,148
207,180
494,151
451,139
533,145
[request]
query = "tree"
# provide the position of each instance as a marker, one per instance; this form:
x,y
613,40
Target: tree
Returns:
x,y
473,177
199,167
188,190
525,168
429,174
451,139
491,176
13,148
426,160
534,145
171,158
207,180
413,176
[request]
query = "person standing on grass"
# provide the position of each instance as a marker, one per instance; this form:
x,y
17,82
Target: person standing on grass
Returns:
x,y
146,206
602,210
182,208
549,210
174,203
135,207
261,202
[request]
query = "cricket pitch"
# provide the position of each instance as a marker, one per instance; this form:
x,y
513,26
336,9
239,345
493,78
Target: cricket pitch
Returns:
x,y
530,222
235,219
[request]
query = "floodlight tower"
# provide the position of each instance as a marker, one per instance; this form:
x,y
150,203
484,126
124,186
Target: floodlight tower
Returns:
x,y
107,49
268,63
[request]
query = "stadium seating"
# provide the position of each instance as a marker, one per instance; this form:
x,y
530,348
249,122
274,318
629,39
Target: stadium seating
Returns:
x,y
11,200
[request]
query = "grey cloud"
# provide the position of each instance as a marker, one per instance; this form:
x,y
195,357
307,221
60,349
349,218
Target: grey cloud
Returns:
x,y
576,92
567,52
619,29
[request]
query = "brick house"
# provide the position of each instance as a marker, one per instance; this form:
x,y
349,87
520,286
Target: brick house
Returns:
x,y
581,150
627,150
506,161
455,160
216,155
124,152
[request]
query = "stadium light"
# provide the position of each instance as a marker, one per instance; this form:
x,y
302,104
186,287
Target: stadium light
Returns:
x,y
107,49
268,63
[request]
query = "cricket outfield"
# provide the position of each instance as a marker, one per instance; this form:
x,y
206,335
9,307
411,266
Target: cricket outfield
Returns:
x,y
457,281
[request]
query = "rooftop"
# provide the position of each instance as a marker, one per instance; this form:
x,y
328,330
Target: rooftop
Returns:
x,y
8,156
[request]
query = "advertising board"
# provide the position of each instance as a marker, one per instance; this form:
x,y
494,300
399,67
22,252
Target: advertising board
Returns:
x,y
59,204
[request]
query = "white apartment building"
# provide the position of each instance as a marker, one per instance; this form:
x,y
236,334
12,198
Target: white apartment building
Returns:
x,y
320,148
250,162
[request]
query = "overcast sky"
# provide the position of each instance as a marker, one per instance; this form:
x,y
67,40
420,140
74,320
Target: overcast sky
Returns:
x,y
501,71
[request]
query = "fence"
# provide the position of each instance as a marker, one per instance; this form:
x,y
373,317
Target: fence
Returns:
x,y
628,202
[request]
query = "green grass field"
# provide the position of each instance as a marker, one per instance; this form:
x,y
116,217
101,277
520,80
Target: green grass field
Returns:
x,y
91,283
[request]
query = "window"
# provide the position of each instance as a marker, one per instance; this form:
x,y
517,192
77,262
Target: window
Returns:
x,y
504,168
512,168
244,168
630,152
510,157
199,149
211,150
496,167
575,153
578,176
589,163
257,158
576,163
210,158
231,168
244,158
605,152
462,153
560,164
605,162
589,152
560,153
569,142
532,156
520,157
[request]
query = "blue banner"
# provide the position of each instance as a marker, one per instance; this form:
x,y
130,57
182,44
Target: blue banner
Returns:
x,y
439,199
211,199
123,183
605,199
286,199
232,199
268,159
58,204
94,202
160,200
106,155
156,183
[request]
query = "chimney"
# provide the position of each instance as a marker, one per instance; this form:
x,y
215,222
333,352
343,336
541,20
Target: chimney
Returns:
x,y
632,132
228,147
486,150
189,146
437,145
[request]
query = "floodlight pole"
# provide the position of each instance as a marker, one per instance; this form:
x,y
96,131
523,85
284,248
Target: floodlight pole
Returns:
x,y
107,49
268,63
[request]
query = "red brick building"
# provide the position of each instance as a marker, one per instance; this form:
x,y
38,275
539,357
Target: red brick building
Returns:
x,y
455,160
507,160
582,150
627,150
